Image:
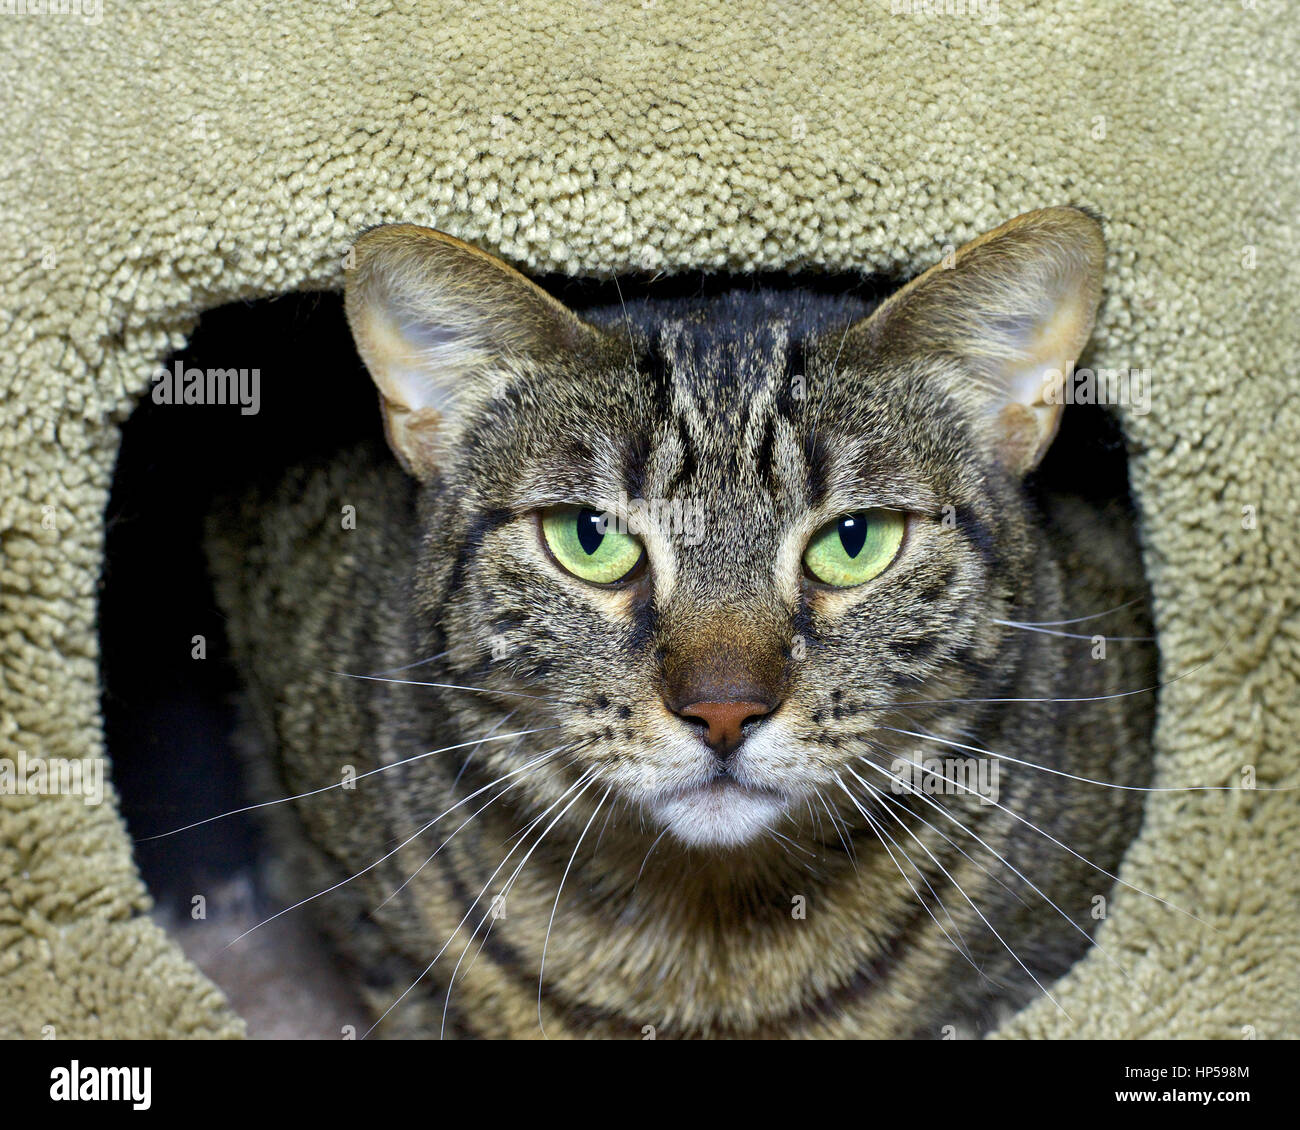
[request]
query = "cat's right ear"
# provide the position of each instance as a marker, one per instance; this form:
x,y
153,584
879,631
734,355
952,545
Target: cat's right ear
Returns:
x,y
440,325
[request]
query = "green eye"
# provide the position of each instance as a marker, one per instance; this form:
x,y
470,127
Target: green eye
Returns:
x,y
853,549
588,544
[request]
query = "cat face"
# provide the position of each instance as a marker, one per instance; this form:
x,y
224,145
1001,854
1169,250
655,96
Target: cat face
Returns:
x,y
707,548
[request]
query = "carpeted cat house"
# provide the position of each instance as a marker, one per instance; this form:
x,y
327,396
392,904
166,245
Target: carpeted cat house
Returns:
x,y
158,162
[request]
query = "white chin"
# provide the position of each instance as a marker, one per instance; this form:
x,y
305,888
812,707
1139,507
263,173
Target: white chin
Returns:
x,y
719,815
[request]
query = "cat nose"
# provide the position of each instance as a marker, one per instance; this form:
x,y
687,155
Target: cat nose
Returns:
x,y
725,721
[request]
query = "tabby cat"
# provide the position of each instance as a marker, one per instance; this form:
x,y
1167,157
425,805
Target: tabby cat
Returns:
x,y
706,667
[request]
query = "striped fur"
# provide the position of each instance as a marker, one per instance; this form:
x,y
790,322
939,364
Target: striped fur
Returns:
x,y
838,926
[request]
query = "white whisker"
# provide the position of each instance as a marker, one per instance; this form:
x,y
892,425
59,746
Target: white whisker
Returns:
x,y
408,666
1083,780
443,686
397,890
951,842
1072,635
541,972
975,908
470,756
340,784
848,848
646,860
1078,619
1029,824
462,922
1081,698
585,780
388,855
881,833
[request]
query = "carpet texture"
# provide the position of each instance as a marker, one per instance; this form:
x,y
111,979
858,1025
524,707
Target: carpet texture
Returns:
x,y
157,160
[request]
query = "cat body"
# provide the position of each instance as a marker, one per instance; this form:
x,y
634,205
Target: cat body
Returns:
x,y
732,792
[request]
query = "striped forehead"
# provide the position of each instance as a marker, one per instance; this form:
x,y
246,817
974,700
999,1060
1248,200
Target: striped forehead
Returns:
x,y
722,371
714,414
726,448
726,426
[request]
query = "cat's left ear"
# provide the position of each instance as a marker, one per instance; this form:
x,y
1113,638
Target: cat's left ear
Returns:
x,y
441,325
1011,311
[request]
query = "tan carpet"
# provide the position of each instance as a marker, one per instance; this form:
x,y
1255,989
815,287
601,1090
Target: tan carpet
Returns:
x,y
168,158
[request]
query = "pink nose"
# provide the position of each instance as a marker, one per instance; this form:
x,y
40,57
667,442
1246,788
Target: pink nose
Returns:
x,y
724,720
